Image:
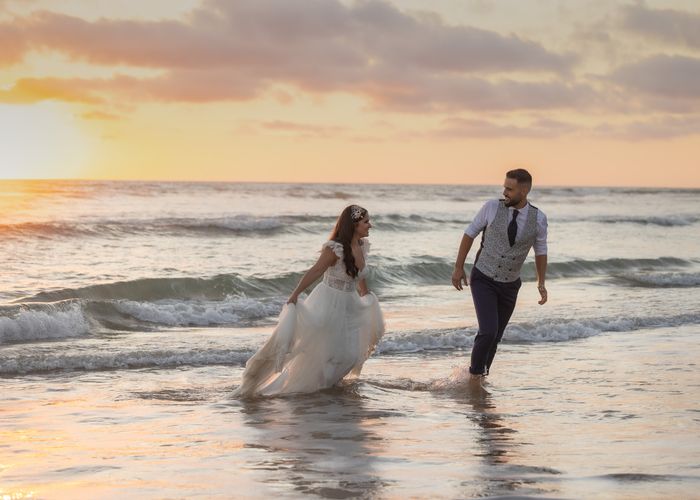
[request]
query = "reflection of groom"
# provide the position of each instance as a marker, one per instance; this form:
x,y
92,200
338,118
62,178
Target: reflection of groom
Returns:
x,y
511,227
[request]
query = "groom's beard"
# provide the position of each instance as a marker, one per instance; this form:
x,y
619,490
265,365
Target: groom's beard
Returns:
x,y
512,201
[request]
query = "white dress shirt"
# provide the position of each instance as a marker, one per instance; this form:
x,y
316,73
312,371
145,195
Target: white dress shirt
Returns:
x,y
488,213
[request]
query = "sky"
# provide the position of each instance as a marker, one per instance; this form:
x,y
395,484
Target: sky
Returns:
x,y
398,91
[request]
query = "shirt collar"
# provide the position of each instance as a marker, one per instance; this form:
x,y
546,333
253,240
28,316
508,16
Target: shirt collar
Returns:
x,y
520,210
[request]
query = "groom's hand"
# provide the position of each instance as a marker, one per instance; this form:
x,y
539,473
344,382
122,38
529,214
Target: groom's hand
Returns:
x,y
543,294
459,278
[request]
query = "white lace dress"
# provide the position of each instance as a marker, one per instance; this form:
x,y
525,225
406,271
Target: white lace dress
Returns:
x,y
320,340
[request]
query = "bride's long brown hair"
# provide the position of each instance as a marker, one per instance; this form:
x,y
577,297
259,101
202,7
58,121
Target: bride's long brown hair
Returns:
x,y
343,232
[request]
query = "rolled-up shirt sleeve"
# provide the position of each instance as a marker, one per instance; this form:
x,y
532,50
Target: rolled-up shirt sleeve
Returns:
x,y
479,223
540,245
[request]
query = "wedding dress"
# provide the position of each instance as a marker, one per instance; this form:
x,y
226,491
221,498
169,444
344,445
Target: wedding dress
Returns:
x,y
320,340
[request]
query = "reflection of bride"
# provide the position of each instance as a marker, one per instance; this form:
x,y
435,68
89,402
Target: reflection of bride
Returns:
x,y
318,341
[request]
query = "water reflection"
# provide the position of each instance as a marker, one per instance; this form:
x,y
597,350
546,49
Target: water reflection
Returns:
x,y
321,443
496,440
500,451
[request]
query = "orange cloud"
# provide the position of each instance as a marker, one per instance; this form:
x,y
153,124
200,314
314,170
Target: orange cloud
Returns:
x,y
392,59
30,90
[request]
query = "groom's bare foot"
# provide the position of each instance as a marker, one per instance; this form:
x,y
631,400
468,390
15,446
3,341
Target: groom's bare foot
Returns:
x,y
476,384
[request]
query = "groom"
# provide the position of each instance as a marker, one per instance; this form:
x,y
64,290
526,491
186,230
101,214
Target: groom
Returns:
x,y
511,227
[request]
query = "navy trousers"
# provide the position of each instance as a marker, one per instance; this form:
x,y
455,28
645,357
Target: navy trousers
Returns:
x,y
494,303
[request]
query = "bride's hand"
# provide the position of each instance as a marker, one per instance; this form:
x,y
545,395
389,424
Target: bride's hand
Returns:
x,y
292,299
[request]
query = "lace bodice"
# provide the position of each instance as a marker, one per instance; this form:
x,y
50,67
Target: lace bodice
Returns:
x,y
335,276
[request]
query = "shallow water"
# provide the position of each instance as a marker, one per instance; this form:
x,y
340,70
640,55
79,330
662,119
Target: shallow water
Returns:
x,y
604,417
127,311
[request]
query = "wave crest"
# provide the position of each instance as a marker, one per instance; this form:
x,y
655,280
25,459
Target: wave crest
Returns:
x,y
48,322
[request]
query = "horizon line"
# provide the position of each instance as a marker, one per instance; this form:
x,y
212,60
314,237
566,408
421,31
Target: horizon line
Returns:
x,y
220,181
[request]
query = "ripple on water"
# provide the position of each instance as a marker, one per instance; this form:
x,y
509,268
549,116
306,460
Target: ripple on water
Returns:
x,y
636,477
177,395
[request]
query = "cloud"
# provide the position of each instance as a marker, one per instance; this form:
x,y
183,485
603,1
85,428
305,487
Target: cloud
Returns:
x,y
655,128
13,45
239,50
100,115
669,77
302,129
424,92
31,90
460,128
278,37
178,86
673,26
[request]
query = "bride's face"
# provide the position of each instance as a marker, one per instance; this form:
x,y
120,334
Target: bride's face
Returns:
x,y
362,227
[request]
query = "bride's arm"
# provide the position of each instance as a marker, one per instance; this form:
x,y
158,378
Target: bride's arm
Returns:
x,y
326,260
362,287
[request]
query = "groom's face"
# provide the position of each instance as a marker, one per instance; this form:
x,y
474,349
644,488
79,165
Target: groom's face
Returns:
x,y
513,192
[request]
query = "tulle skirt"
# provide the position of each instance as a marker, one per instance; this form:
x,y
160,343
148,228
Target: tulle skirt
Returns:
x,y
316,343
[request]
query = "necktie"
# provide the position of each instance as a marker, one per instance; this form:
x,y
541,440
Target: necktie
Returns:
x,y
513,228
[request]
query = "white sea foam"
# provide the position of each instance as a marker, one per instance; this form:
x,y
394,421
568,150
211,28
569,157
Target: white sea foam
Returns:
x,y
198,313
425,341
555,330
47,323
562,331
72,318
458,380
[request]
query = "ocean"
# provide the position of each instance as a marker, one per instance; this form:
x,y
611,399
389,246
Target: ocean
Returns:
x,y
128,310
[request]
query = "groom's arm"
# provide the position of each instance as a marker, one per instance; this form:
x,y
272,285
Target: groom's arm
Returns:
x,y
541,256
477,225
458,275
541,266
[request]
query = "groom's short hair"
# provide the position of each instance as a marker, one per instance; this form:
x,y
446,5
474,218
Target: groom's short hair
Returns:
x,y
521,175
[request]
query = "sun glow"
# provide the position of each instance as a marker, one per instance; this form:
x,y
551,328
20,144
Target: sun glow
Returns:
x,y
43,140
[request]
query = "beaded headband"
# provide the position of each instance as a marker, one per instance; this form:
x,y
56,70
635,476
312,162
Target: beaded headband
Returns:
x,y
357,213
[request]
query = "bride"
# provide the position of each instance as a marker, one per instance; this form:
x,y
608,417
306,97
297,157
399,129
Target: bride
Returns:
x,y
320,340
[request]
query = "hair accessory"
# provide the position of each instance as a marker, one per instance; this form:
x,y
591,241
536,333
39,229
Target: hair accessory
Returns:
x,y
357,213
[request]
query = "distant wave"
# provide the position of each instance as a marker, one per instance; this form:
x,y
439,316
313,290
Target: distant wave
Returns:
x,y
427,270
661,280
432,271
262,226
582,267
152,289
238,224
241,224
664,221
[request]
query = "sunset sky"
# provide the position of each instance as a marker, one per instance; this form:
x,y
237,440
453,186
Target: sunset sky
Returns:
x,y
436,91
